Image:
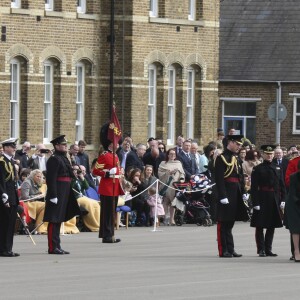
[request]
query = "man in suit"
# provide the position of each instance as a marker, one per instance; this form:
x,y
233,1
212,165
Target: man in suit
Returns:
x,y
188,163
9,201
92,180
135,158
123,152
179,144
38,160
73,153
280,160
22,155
83,157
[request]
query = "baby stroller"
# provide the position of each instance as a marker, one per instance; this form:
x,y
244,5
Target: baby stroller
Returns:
x,y
190,204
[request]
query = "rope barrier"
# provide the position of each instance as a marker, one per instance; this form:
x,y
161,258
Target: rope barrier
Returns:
x,y
157,180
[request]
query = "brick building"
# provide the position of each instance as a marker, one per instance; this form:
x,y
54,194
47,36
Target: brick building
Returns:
x,y
54,68
259,60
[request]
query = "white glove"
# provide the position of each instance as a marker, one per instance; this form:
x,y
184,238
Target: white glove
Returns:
x,y
54,200
4,198
224,201
282,205
246,197
257,207
113,171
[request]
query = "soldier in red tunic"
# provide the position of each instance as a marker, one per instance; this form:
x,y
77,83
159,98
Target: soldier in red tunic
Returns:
x,y
293,167
108,168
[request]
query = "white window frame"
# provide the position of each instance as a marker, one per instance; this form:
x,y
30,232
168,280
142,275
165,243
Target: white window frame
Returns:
x,y
15,87
49,5
295,114
152,100
153,12
15,4
190,103
48,101
80,99
245,118
192,10
81,6
171,106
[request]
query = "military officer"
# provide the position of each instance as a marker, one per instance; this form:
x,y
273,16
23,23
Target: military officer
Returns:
x,y
230,194
108,168
267,194
10,201
61,205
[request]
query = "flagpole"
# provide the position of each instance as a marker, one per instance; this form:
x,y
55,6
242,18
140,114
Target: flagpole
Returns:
x,y
112,48
111,92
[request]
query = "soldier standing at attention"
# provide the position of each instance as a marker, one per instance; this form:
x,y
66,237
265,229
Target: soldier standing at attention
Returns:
x,y
61,205
9,201
108,167
230,195
268,193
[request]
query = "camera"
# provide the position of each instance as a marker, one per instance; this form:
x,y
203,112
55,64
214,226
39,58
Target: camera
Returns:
x,y
79,172
44,151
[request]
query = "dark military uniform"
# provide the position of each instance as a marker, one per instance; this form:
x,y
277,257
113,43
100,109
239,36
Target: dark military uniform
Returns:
x,y
229,184
58,179
8,215
267,192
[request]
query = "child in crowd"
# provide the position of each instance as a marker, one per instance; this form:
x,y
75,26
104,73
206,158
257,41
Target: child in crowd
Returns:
x,y
151,202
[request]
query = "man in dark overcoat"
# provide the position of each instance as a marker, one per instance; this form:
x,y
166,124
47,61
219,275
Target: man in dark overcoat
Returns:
x,y
267,194
9,198
61,204
230,194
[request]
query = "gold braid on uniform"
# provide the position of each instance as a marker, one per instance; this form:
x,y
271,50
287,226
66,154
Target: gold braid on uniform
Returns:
x,y
230,166
9,169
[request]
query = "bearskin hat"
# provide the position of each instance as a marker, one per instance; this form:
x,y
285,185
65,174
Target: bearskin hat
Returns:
x,y
103,136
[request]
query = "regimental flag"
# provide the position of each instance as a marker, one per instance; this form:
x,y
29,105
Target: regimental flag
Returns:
x,y
114,130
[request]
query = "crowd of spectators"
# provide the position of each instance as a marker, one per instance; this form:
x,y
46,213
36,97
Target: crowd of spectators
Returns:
x,y
142,165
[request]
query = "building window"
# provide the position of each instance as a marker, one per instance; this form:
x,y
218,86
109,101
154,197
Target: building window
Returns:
x,y
81,6
48,102
79,124
152,101
296,115
49,4
171,106
192,10
240,115
190,103
15,3
14,98
153,8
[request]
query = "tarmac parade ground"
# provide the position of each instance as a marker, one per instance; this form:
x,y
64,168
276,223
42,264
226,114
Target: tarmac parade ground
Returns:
x,y
174,263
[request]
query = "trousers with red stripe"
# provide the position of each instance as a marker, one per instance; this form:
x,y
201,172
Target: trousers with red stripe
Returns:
x,y
225,237
53,236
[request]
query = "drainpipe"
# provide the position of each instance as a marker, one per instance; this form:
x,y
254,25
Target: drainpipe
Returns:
x,y
278,102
